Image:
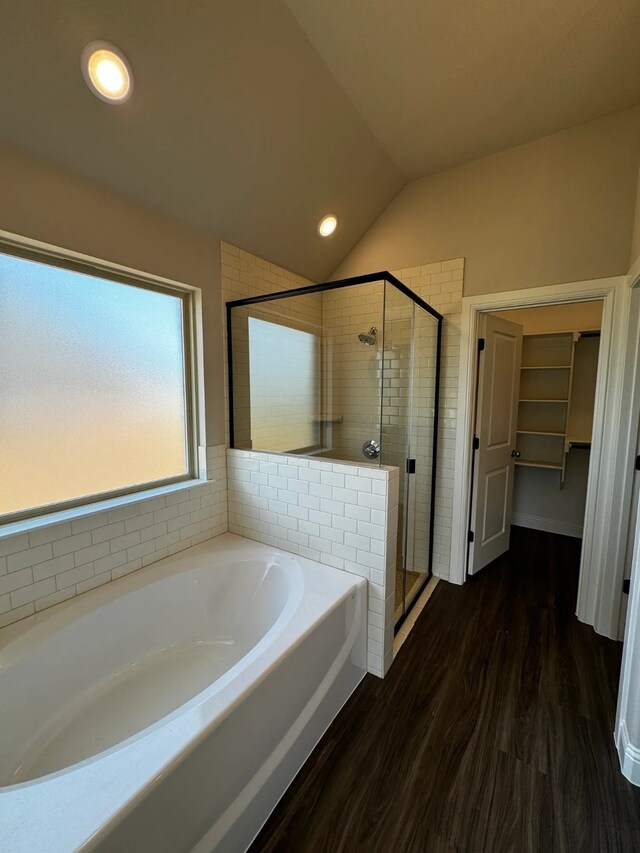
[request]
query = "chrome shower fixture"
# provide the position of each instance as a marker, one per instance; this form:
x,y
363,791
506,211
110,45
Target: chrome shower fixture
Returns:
x,y
369,338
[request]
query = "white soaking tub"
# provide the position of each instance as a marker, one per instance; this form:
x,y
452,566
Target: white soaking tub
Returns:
x,y
170,709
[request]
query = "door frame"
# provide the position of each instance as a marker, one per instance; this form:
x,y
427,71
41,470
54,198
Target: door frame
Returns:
x,y
610,476
628,749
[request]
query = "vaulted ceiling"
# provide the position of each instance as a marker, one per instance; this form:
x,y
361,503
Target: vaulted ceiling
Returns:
x,y
250,119
235,125
441,82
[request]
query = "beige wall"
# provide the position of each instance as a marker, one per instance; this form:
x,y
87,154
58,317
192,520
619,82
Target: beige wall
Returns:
x,y
569,317
46,204
557,209
635,235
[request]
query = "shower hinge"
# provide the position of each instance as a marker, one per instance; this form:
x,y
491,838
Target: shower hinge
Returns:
x,y
626,585
637,463
471,536
411,466
480,344
476,442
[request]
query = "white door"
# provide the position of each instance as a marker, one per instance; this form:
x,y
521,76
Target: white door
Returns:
x,y
496,423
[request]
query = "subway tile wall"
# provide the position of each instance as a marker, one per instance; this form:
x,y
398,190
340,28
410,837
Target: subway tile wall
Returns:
x,y
57,562
340,514
352,395
354,370
440,284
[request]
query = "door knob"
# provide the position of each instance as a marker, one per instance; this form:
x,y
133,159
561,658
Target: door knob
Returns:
x,y
515,454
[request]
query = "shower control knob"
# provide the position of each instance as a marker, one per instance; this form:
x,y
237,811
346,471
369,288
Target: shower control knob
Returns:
x,y
371,449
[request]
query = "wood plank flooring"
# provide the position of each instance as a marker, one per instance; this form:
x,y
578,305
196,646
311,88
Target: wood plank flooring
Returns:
x,y
491,734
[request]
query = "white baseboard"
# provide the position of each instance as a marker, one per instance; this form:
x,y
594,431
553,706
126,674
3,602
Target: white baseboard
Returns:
x,y
629,755
549,525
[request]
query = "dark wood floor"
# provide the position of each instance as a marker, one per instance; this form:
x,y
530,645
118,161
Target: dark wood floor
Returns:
x,y
491,733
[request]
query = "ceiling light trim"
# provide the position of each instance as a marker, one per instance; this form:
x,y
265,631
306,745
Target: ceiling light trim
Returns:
x,y
327,225
89,72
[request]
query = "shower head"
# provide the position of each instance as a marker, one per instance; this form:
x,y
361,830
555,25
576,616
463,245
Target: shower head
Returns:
x,y
369,338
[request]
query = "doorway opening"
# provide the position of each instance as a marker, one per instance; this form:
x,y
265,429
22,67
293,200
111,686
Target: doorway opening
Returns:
x,y
609,483
535,394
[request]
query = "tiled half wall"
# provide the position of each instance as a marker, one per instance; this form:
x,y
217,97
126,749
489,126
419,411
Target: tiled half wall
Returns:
x,y
59,561
339,514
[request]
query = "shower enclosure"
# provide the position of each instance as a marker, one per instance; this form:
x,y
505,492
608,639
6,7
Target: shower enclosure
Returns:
x,y
348,370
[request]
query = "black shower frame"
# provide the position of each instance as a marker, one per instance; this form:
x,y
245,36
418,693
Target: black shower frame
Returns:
x,y
369,278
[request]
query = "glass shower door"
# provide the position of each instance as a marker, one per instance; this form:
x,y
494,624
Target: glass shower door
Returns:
x,y
346,371
421,440
351,369
395,420
409,369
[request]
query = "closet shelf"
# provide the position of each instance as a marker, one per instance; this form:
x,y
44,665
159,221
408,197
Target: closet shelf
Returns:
x,y
539,432
546,367
536,463
583,443
547,398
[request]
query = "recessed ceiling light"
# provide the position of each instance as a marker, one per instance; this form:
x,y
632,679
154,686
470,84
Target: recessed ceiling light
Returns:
x,y
107,72
327,225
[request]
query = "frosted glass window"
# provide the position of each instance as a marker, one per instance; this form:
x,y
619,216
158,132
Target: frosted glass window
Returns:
x,y
284,387
92,386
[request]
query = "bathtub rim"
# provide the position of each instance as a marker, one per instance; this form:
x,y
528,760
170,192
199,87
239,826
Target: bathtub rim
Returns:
x,y
36,632
207,694
56,616
212,716
84,830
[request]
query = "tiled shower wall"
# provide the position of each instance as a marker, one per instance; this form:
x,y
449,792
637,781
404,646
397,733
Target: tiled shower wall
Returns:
x,y
352,384
57,562
440,284
355,397
352,396
341,515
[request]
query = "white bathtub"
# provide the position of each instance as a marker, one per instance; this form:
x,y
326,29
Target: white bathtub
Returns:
x,y
170,709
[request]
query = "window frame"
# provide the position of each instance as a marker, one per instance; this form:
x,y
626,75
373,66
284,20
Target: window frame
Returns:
x,y
32,250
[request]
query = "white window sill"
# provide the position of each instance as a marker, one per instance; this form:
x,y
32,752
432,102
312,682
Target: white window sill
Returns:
x,y
37,522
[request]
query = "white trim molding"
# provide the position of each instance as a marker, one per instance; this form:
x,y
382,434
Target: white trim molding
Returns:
x,y
629,755
549,525
627,730
609,486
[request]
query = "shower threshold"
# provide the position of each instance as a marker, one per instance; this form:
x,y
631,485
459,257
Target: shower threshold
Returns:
x,y
415,584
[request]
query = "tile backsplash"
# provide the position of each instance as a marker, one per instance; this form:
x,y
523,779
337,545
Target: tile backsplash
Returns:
x,y
53,563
